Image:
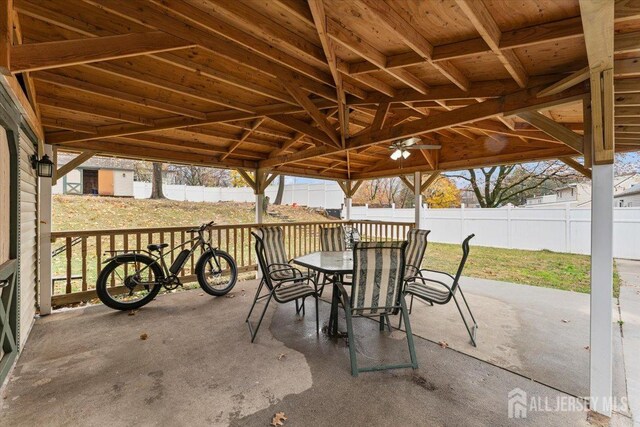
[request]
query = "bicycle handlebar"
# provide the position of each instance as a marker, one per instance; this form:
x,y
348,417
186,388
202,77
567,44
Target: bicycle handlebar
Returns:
x,y
201,228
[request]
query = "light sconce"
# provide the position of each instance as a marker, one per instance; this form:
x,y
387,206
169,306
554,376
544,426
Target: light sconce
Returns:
x,y
43,166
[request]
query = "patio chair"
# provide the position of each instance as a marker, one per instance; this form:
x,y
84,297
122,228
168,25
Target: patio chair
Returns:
x,y
438,287
333,239
378,271
417,245
284,282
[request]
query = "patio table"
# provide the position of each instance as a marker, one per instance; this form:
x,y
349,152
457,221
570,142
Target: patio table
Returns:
x,y
335,264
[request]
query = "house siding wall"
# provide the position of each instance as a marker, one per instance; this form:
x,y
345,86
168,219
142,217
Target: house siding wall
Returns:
x,y
28,238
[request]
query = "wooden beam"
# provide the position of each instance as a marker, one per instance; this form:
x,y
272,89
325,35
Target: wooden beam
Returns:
x,y
317,116
252,182
508,105
6,33
410,185
320,22
597,22
347,38
243,137
398,21
484,23
47,55
381,114
13,88
569,81
432,178
553,129
72,164
94,110
576,166
300,126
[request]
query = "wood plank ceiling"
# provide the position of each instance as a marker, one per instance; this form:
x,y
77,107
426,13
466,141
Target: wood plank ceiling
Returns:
x,y
318,88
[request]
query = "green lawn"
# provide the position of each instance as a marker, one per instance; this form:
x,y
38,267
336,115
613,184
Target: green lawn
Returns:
x,y
569,272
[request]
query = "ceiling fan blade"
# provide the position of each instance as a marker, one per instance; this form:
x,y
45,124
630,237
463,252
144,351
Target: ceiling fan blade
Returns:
x,y
424,147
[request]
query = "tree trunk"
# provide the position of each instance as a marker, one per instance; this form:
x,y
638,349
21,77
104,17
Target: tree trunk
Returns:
x,y
280,193
156,182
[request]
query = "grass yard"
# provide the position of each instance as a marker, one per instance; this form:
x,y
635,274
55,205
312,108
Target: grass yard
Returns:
x,y
569,272
97,213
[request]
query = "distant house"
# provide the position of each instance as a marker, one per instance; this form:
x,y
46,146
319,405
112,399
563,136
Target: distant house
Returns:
x,y
629,198
102,176
578,195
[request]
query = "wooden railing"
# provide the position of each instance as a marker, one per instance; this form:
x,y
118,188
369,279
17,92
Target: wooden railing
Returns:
x,y
81,254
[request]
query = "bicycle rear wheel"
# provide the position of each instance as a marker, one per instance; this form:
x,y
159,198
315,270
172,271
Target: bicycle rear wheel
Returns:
x,y
129,282
217,274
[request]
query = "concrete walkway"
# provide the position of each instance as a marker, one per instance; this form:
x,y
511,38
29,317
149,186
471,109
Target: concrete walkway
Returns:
x,y
196,367
630,314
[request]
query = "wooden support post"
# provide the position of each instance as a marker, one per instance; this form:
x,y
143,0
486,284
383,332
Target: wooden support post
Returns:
x,y
349,188
417,184
44,220
6,33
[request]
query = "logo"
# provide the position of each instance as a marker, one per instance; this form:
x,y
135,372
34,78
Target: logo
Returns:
x,y
517,403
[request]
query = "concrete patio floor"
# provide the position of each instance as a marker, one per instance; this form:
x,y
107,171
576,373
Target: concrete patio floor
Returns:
x,y
89,366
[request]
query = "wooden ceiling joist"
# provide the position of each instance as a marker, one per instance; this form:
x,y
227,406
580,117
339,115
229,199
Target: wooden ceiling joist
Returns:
x,y
47,55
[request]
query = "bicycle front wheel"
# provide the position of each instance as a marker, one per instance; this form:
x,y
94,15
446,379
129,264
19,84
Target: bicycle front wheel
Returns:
x,y
129,282
217,272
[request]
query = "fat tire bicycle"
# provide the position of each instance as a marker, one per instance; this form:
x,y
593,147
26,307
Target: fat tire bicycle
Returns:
x,y
131,279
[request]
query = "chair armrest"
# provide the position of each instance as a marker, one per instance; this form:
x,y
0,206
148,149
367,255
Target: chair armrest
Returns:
x,y
285,267
437,271
424,279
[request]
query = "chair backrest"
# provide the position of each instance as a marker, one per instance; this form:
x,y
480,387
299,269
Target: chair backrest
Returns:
x,y
465,255
417,245
333,239
272,241
378,272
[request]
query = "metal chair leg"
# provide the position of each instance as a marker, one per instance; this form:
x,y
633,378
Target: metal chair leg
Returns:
x,y
382,320
255,332
388,322
475,324
472,335
255,299
351,343
410,343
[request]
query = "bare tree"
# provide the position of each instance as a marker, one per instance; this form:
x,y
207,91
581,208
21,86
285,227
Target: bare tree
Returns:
x,y
280,193
156,182
499,185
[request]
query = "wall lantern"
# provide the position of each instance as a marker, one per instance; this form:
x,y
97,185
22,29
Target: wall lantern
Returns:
x,y
43,166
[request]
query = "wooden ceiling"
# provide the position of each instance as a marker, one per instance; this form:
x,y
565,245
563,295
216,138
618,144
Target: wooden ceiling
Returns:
x,y
318,88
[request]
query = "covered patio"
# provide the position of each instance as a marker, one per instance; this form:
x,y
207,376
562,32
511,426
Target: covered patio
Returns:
x,y
323,89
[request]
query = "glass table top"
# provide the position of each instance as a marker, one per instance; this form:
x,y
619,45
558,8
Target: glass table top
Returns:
x,y
327,262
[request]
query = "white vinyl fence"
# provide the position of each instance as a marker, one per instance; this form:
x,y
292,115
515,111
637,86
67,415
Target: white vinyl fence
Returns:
x,y
327,195
559,230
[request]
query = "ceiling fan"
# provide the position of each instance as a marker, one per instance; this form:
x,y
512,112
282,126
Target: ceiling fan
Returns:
x,y
401,147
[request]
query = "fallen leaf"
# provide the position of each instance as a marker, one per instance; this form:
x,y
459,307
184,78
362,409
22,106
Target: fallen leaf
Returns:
x,y
565,321
586,347
443,344
278,419
282,356
230,295
144,336
132,313
201,294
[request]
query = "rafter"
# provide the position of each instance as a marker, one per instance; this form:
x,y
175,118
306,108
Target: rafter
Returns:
x,y
300,126
398,21
243,137
480,17
6,33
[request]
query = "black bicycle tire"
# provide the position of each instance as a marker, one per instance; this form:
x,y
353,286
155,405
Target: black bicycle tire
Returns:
x,y
103,277
202,281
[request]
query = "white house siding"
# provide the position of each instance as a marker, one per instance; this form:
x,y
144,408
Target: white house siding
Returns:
x,y
28,239
123,183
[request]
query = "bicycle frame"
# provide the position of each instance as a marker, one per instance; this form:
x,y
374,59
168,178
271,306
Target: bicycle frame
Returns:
x,y
200,240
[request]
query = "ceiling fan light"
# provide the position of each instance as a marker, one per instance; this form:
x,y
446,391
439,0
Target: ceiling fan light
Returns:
x,y
396,154
406,154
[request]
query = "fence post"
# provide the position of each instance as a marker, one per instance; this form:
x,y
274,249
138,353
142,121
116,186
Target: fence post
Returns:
x,y
462,222
567,228
509,226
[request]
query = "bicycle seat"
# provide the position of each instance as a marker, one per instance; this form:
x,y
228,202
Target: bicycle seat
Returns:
x,y
157,246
